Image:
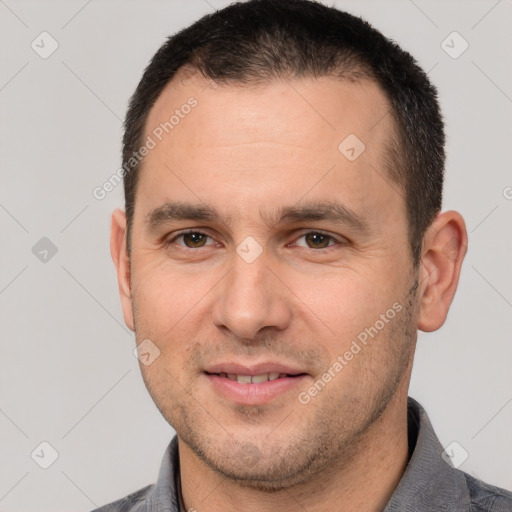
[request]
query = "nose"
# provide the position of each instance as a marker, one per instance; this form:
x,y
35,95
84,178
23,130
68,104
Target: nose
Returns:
x,y
251,298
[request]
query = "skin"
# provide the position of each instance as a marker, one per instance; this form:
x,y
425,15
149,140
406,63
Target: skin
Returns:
x,y
248,151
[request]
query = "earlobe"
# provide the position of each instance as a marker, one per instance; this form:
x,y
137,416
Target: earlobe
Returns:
x,y
444,248
121,261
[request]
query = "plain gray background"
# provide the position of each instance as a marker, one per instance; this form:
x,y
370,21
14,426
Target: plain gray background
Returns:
x,y
68,375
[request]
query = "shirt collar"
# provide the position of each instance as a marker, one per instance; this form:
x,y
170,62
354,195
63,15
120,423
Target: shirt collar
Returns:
x,y
164,495
429,482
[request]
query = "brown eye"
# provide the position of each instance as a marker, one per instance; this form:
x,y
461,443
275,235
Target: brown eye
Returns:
x,y
315,240
191,240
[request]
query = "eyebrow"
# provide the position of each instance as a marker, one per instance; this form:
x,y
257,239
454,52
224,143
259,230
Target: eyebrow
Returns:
x,y
331,211
174,211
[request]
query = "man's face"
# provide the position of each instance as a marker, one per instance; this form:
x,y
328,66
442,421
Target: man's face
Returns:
x,y
272,286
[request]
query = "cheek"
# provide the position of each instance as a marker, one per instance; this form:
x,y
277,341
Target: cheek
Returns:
x,y
164,295
358,311
344,301
173,308
366,345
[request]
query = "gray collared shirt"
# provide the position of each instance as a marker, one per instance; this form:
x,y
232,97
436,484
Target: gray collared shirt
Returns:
x,y
428,484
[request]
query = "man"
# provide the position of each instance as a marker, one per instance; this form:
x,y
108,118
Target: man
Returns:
x,y
282,243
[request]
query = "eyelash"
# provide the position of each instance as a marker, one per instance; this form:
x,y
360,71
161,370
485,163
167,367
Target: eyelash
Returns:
x,y
316,232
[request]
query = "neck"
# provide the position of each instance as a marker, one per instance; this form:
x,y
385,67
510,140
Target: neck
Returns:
x,y
363,482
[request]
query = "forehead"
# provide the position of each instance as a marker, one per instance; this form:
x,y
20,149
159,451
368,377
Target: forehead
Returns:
x,y
309,107
277,140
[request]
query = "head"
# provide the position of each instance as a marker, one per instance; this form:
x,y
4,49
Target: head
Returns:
x,y
285,213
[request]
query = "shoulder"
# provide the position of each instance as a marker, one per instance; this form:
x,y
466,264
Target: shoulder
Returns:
x,y
487,498
132,503
155,497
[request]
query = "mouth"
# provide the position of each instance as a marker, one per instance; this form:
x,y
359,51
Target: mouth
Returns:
x,y
254,385
254,379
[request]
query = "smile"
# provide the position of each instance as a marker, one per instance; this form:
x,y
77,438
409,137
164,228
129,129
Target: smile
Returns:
x,y
253,379
257,389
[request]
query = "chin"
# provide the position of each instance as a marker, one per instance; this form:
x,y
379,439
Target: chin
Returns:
x,y
263,472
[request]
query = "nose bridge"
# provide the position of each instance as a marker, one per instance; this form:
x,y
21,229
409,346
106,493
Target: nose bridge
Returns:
x,y
249,277
250,298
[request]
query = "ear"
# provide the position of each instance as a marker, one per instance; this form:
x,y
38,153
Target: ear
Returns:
x,y
122,263
444,247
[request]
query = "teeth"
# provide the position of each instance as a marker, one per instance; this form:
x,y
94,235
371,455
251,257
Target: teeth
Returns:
x,y
255,379
260,378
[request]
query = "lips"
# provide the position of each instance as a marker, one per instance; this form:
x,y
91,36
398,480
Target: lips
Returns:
x,y
253,384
